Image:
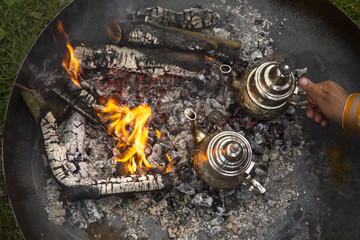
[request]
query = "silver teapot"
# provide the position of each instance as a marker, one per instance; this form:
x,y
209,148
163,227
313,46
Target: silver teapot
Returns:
x,y
266,91
223,159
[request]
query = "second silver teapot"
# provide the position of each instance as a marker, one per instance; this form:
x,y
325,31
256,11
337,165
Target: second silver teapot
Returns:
x,y
223,159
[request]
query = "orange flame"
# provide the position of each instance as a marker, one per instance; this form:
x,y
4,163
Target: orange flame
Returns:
x,y
130,143
71,66
209,58
168,157
158,133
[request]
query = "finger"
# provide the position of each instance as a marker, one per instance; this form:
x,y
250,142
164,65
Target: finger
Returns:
x,y
318,117
310,111
324,122
313,90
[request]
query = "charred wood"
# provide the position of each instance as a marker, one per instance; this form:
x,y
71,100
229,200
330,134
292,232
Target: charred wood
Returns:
x,y
159,36
148,61
193,18
75,188
80,100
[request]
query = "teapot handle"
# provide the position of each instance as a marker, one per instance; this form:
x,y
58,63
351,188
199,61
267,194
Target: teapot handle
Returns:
x,y
253,186
299,92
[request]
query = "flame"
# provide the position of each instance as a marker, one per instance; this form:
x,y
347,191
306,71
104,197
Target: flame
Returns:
x,y
168,157
209,58
158,133
130,143
71,66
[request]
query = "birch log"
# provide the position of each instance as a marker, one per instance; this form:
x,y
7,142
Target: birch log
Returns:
x,y
159,36
148,61
192,19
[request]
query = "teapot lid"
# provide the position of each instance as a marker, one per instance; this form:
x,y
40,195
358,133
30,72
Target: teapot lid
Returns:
x,y
271,84
229,153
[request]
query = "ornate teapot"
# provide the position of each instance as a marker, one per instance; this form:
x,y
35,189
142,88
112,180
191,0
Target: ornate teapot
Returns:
x,y
264,92
223,159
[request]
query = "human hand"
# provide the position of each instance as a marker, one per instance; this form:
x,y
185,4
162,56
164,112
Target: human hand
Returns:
x,y
326,101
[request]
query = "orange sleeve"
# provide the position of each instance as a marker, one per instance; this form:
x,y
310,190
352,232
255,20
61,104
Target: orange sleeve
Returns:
x,y
351,114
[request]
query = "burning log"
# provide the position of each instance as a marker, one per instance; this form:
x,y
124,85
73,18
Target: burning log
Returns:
x,y
149,61
75,188
193,18
158,36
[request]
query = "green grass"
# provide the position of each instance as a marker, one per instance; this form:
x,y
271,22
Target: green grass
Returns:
x,y
350,7
21,21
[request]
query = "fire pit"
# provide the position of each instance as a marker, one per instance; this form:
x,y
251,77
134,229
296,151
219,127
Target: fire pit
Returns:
x,y
100,176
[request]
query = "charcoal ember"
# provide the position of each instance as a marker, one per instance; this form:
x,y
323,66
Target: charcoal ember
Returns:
x,y
185,188
259,139
213,231
200,82
291,110
218,117
156,155
260,170
300,72
181,140
178,109
274,154
77,217
229,99
202,200
217,221
83,213
256,55
278,142
286,149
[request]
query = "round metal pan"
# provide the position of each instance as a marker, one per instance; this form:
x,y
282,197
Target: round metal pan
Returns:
x,y
317,35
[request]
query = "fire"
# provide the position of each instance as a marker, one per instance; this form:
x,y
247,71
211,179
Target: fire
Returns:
x,y
131,129
158,133
209,58
168,157
71,66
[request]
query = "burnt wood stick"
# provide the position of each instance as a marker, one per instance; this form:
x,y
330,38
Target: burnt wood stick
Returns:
x,y
159,36
75,188
192,19
80,100
148,61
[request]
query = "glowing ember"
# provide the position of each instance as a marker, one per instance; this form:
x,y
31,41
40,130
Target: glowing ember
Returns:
x,y
72,65
131,128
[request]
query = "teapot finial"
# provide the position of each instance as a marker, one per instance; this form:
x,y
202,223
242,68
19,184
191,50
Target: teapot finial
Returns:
x,y
196,132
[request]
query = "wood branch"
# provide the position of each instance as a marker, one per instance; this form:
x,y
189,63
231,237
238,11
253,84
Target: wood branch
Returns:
x,y
148,61
193,18
80,100
75,188
34,101
159,36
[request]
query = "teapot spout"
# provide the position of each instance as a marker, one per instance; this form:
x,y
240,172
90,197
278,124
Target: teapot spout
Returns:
x,y
196,132
229,76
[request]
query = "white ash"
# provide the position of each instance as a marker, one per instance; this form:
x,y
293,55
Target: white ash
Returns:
x,y
243,22
54,207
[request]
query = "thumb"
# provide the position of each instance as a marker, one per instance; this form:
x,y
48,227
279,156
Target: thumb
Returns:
x,y
313,90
